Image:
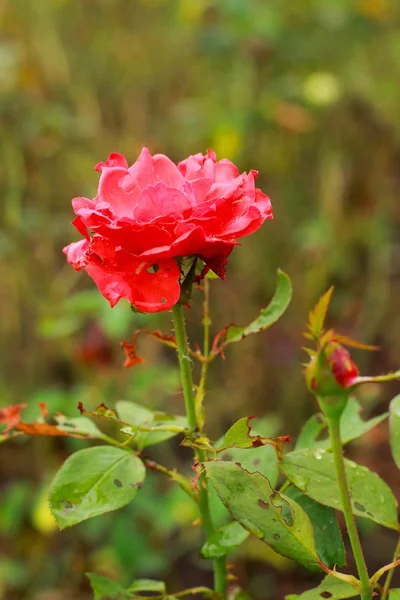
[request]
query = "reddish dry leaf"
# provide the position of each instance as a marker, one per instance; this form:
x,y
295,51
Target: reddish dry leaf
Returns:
x,y
132,358
103,412
43,409
44,429
10,416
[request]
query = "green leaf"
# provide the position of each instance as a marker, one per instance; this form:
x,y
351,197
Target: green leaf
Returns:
x,y
328,539
272,517
263,459
267,317
79,426
94,481
147,585
352,426
224,540
331,588
394,594
239,436
310,432
137,416
313,472
107,589
394,424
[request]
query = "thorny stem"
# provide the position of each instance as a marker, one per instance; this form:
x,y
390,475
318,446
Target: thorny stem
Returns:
x,y
334,433
389,577
187,385
201,390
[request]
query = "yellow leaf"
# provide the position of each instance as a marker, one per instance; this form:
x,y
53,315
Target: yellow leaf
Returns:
x,y
317,316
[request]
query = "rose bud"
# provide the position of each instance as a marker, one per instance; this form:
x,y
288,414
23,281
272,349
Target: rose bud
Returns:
x,y
331,371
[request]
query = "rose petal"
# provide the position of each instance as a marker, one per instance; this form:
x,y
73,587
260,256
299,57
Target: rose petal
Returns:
x,y
160,201
149,288
76,254
114,160
167,171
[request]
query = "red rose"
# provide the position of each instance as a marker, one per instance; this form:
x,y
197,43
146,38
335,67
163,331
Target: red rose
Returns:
x,y
147,215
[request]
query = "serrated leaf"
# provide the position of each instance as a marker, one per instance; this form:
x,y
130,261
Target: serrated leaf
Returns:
x,y
328,539
94,481
240,436
267,316
331,588
79,425
394,425
263,459
137,415
272,517
224,540
352,426
105,588
313,473
316,317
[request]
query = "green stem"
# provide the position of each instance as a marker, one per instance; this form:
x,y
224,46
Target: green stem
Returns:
x,y
334,432
187,385
389,577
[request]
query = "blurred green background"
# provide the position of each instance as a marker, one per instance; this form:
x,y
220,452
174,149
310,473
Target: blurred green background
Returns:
x,y
305,91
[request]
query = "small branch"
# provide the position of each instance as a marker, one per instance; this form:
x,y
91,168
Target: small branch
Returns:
x,y
386,588
191,591
172,474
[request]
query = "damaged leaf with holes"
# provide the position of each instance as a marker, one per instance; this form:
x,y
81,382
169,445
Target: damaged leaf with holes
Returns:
x,y
270,516
263,459
240,436
331,589
94,481
328,538
313,473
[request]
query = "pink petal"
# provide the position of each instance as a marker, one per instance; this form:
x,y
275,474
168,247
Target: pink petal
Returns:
x,y
119,190
167,171
114,160
159,201
76,254
142,171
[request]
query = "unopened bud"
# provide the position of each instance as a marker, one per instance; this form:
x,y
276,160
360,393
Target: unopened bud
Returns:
x,y
331,372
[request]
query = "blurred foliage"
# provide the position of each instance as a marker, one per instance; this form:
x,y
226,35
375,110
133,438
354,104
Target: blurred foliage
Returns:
x,y
305,92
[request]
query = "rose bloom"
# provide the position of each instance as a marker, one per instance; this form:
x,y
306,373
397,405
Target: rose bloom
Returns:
x,y
146,216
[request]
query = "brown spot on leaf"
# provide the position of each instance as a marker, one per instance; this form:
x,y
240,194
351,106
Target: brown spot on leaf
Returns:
x,y
137,485
263,504
326,595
